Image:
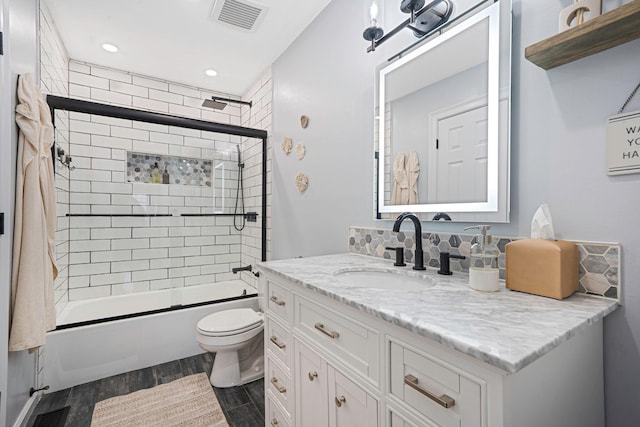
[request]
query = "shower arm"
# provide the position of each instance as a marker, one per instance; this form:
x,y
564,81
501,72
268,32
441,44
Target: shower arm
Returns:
x,y
234,101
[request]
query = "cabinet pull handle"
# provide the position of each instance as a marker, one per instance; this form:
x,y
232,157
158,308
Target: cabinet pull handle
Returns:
x,y
280,388
276,300
330,334
274,339
274,422
340,400
444,400
312,375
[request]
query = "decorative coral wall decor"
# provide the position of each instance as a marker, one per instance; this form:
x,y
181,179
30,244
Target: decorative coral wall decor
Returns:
x,y
302,182
300,151
287,145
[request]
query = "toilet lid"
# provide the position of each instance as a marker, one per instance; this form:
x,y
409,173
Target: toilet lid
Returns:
x,y
230,321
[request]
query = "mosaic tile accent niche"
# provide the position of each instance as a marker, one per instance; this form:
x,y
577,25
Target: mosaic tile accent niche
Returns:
x,y
599,265
182,171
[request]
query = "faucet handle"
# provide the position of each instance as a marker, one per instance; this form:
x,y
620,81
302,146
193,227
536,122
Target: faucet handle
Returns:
x,y
399,255
445,265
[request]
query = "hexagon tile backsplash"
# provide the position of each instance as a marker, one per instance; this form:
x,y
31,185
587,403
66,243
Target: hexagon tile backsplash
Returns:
x,y
599,262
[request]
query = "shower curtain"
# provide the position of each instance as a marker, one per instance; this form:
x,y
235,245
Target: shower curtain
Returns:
x,y
34,269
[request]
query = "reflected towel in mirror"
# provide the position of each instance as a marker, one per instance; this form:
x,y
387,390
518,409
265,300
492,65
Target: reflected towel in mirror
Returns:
x,y
400,194
413,171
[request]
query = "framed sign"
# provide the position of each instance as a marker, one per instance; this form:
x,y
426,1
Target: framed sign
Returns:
x,y
623,143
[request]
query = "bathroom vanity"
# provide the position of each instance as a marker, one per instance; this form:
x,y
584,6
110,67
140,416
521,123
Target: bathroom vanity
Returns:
x,y
344,350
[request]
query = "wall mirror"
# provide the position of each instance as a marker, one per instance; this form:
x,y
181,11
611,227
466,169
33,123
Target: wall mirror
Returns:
x,y
443,123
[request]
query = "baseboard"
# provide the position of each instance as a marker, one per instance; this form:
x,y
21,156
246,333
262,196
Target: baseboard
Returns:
x,y
27,410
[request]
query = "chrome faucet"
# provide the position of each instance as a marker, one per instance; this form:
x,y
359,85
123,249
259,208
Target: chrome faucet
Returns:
x,y
419,255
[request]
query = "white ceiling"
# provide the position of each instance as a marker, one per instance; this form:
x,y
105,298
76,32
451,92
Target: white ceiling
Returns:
x,y
177,40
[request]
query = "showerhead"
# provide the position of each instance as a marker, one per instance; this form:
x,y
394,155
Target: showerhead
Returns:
x,y
218,103
214,103
240,164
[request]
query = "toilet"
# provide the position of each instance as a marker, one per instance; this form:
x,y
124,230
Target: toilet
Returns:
x,y
236,336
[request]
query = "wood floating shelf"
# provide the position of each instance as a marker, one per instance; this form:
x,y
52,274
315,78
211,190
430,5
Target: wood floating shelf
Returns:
x,y
595,35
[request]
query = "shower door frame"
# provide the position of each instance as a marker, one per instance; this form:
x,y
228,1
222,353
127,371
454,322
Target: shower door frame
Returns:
x,y
89,107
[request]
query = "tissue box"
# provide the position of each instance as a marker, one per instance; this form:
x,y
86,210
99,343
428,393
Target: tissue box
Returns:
x,y
542,267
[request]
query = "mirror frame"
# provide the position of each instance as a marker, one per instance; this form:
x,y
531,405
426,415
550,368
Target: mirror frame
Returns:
x,y
493,204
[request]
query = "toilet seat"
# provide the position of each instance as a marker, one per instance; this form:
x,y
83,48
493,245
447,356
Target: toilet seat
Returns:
x,y
230,322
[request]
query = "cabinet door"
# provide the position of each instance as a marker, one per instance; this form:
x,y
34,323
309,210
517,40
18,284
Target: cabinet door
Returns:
x,y
349,405
311,385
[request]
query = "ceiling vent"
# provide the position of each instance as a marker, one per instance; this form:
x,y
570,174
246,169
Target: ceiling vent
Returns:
x,y
237,14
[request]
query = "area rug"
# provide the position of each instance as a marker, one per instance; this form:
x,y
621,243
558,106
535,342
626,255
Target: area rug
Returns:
x,y
188,402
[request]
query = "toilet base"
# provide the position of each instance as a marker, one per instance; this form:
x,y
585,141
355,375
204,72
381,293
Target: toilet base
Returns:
x,y
225,372
237,367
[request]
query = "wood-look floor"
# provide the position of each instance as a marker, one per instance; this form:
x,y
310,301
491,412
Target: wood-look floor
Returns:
x,y
243,406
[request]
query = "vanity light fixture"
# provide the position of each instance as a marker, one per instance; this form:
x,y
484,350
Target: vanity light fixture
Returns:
x,y
373,33
110,47
422,21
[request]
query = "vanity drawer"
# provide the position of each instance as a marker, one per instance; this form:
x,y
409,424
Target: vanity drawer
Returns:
x,y
280,301
279,340
396,418
348,339
274,414
443,395
280,384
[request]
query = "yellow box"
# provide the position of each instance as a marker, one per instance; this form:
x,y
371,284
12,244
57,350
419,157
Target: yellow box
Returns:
x,y
542,267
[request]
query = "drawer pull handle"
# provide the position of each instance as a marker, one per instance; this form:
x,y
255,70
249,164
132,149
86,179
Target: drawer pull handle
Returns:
x,y
274,422
312,375
330,334
340,400
276,300
274,339
444,400
280,388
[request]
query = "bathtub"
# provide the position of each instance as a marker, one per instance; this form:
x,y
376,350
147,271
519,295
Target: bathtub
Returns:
x,y
90,310
86,353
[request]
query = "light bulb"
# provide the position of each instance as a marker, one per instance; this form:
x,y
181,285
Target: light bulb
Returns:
x,y
373,12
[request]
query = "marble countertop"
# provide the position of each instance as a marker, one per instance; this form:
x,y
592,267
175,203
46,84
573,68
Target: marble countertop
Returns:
x,y
506,329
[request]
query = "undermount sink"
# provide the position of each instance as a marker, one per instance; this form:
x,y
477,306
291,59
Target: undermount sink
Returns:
x,y
384,279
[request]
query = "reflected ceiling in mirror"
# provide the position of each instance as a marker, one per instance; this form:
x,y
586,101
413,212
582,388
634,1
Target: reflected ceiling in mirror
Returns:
x,y
445,122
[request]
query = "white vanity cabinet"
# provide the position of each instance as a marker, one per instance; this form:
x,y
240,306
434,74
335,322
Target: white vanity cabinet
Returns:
x,y
330,364
326,397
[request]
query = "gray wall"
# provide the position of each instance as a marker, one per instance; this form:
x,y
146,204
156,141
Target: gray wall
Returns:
x,y
21,42
326,75
558,156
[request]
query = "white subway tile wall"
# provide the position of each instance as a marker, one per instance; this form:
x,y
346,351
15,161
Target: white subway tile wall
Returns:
x,y
259,116
54,80
116,255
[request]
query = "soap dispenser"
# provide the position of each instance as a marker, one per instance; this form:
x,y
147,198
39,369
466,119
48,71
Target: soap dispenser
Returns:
x,y
484,274
156,176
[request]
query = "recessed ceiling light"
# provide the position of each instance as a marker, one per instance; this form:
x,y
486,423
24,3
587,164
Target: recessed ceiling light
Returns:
x,y
110,48
210,72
